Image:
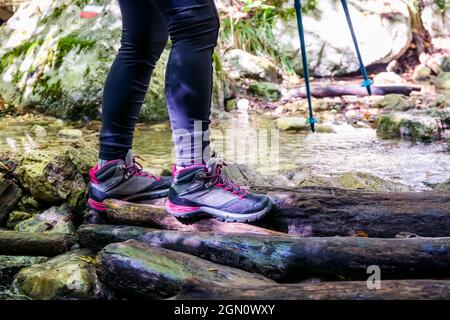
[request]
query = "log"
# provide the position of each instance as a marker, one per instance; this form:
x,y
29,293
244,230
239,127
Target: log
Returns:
x,y
289,259
149,215
317,212
35,244
351,90
339,212
134,269
343,290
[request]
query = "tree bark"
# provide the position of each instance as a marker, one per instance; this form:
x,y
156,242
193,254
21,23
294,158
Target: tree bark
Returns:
x,y
289,259
339,91
338,212
317,212
34,244
134,269
344,290
149,215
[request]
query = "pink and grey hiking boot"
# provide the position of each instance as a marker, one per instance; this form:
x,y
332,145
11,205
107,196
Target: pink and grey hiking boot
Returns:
x,y
124,180
203,190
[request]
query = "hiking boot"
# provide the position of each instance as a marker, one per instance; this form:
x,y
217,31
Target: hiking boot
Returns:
x,y
124,180
203,190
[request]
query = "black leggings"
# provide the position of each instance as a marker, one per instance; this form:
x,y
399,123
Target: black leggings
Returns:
x,y
193,28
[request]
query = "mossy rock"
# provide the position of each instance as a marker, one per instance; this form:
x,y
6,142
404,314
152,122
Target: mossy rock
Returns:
x,y
54,220
55,176
11,265
16,216
355,181
68,276
268,90
443,81
292,124
70,133
394,102
404,125
29,204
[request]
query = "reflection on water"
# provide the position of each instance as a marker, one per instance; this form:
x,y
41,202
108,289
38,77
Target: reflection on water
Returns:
x,y
241,138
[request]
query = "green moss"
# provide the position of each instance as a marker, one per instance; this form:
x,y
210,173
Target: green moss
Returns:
x,y
54,15
69,43
9,57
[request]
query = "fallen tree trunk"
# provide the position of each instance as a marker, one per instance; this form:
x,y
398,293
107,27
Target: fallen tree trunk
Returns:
x,y
331,212
149,215
134,269
343,290
34,244
317,212
351,90
290,259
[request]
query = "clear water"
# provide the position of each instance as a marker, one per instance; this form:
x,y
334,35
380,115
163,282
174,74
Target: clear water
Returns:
x,y
348,149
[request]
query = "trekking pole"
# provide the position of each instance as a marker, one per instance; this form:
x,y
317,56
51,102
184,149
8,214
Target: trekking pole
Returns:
x,y
298,9
367,82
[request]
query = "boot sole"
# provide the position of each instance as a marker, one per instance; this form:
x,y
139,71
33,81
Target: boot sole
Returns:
x,y
183,212
99,206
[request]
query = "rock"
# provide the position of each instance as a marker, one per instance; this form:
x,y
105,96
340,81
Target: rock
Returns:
x,y
10,194
355,181
323,128
388,78
445,64
38,131
58,123
443,81
421,73
436,18
243,175
410,126
383,28
55,62
268,90
53,220
70,134
10,265
29,204
68,276
16,217
393,102
443,185
54,176
292,123
230,105
251,66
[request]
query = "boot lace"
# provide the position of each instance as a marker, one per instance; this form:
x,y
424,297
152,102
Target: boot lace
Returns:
x,y
219,180
136,169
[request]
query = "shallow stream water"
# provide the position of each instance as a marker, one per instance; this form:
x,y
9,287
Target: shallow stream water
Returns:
x,y
253,140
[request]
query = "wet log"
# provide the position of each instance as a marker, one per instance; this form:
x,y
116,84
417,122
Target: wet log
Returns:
x,y
317,212
35,244
351,90
339,212
149,215
342,290
289,259
134,269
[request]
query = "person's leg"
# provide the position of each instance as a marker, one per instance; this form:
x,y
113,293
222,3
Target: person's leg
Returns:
x,y
198,187
118,175
144,37
193,27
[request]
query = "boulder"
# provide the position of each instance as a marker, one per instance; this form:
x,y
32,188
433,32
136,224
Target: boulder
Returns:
x,y
355,181
16,216
70,134
68,276
53,220
388,78
38,131
383,31
443,81
268,90
56,62
57,175
422,73
410,126
292,123
251,66
436,18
